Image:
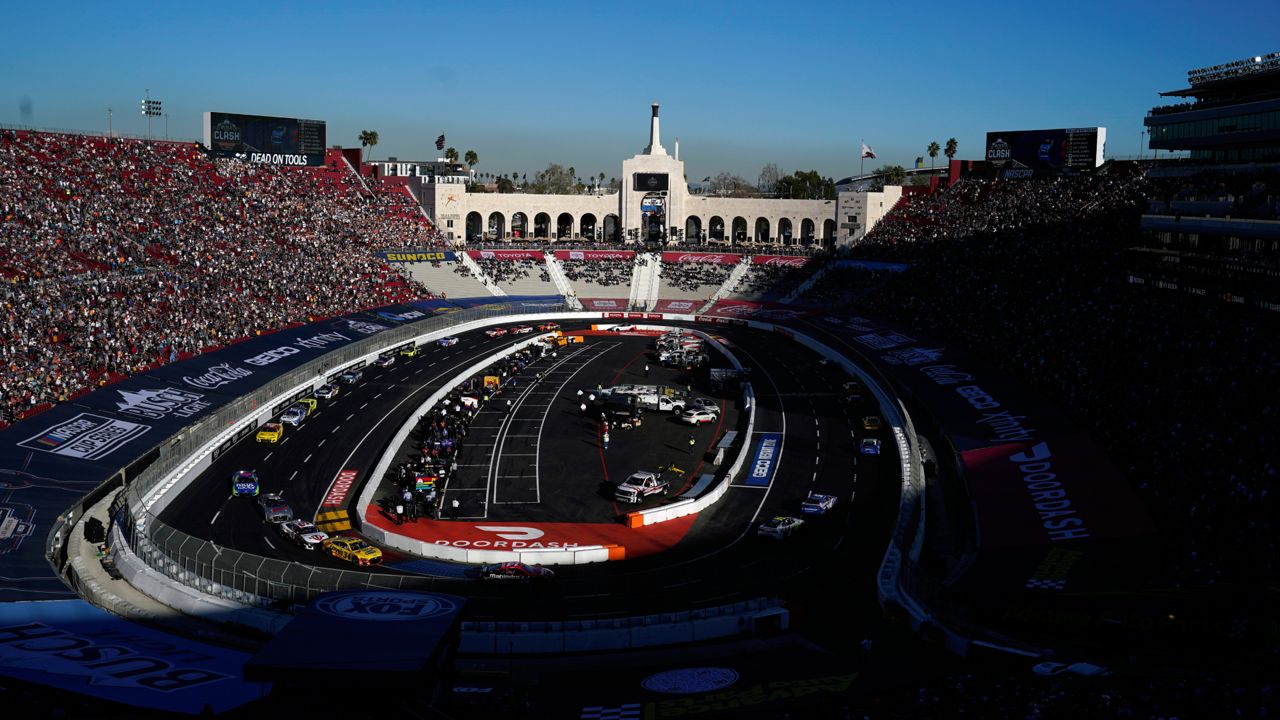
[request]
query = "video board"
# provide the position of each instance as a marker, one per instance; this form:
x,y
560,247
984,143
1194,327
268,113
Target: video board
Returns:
x,y
1036,153
265,139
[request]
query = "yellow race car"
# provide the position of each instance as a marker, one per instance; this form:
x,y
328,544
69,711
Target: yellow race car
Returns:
x,y
353,549
271,432
871,422
409,351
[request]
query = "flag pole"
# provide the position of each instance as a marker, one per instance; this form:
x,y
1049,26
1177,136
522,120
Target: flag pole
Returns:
x,y
862,157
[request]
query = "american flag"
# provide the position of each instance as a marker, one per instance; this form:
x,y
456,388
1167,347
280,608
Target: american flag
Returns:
x,y
440,142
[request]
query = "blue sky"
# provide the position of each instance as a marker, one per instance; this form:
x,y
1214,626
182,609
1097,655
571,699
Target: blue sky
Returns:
x,y
526,84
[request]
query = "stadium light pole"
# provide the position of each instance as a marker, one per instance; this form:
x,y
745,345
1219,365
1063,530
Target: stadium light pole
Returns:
x,y
151,108
109,132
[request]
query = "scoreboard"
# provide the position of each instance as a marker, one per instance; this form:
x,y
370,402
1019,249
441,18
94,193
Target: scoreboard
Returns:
x,y
265,139
1037,153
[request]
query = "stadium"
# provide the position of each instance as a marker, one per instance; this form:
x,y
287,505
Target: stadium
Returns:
x,y
287,430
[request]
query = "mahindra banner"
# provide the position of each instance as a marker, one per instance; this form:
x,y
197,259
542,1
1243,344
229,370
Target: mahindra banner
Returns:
x,y
713,258
505,254
789,260
595,254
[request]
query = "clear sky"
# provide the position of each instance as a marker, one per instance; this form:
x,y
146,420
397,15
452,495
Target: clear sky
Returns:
x,y
525,84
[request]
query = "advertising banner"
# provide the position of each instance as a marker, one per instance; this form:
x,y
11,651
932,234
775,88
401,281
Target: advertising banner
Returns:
x,y
505,254
1035,153
595,254
604,303
700,257
417,255
749,309
787,260
265,139
765,461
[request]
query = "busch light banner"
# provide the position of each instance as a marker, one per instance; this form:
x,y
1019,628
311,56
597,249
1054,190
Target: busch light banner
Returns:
x,y
595,254
698,257
787,260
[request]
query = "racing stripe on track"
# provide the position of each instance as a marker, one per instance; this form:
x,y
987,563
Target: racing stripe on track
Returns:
x,y
333,521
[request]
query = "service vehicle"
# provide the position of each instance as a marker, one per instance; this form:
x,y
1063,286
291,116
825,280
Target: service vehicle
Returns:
x,y
274,508
303,533
547,327
352,549
640,486
707,404
447,341
779,527
515,572
270,432
385,360
327,391
661,403
409,351
871,422
817,504
350,376
244,482
495,332
1081,668
294,416
521,330
869,446
698,417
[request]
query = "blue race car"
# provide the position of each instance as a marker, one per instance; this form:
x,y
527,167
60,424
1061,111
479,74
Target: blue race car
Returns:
x,y
817,504
869,446
244,482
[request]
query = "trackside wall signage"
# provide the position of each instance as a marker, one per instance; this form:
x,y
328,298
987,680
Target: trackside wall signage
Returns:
x,y
340,489
417,255
765,462
595,254
711,258
385,606
787,260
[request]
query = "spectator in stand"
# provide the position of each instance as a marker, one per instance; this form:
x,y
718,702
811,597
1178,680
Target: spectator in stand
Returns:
x,y
605,272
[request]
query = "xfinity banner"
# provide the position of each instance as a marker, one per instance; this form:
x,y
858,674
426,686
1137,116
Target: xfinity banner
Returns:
x,y
74,646
712,258
595,254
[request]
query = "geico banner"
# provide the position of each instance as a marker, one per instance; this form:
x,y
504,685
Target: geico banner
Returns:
x,y
417,255
786,260
712,258
505,254
595,254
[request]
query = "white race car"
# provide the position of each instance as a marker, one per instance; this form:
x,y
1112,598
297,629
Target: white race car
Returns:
x,y
447,341
779,527
817,504
303,533
327,391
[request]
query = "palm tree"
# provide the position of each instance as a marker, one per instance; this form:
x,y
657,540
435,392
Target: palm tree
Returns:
x,y
472,158
369,138
451,154
950,152
933,153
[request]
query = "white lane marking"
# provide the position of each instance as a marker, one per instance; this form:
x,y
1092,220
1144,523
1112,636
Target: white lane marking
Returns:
x,y
350,416
284,441
307,459
294,475
335,429
375,397
537,478
267,456
267,540
364,406
321,443
215,518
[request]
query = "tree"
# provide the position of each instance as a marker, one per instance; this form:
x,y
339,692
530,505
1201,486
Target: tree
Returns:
x,y
451,154
554,180
369,138
472,159
950,152
806,186
933,153
893,174
600,177
505,185
768,181
727,185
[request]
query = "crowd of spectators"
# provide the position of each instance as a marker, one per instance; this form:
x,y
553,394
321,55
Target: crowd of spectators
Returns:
x,y
118,254
601,271
692,276
509,271
1178,389
774,281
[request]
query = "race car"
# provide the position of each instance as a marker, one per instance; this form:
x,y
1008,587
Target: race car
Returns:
x,y
547,327
409,351
869,446
303,533
698,417
871,422
495,332
271,432
350,376
327,391
779,527
447,341
244,482
385,360
296,413
817,504
274,508
521,330
515,572
353,549
310,403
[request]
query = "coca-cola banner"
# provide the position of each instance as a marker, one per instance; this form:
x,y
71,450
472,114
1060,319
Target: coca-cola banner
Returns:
x,y
679,306
749,309
791,260
714,258
505,254
603,303
595,254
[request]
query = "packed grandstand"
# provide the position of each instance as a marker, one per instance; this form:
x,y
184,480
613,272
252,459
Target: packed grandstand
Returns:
x,y
121,255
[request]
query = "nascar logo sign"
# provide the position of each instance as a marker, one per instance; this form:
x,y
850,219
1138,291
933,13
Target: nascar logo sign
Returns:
x,y
85,436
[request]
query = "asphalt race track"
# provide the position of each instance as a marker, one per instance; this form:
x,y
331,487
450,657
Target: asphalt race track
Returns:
x,y
712,558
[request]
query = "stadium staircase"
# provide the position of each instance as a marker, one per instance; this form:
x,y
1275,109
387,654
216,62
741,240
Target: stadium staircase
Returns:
x,y
556,271
643,276
469,263
730,283
804,286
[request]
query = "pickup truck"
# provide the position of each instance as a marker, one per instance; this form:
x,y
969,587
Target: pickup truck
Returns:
x,y
661,403
640,486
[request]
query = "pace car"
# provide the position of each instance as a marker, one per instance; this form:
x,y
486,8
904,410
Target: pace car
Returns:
x,y
303,533
271,432
274,508
495,332
515,572
294,416
871,422
779,527
521,330
698,417
327,391
244,482
385,360
447,341
817,504
352,549
869,446
547,327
